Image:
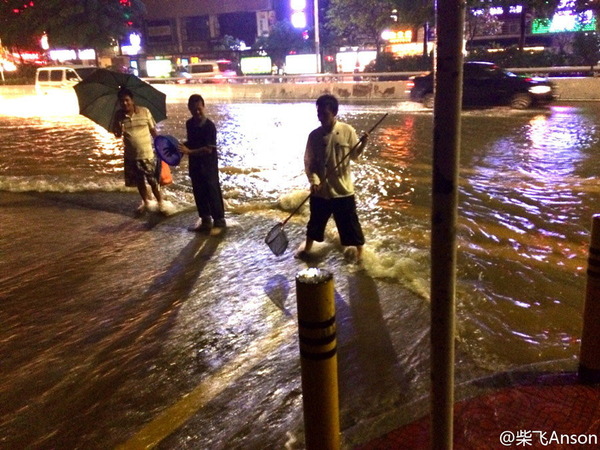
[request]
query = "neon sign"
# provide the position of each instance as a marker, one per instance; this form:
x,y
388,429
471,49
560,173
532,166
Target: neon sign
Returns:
x,y
564,21
397,37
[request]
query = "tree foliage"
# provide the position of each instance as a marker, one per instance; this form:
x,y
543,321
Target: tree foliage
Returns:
x,y
415,12
81,24
282,40
90,23
586,47
359,22
19,22
481,23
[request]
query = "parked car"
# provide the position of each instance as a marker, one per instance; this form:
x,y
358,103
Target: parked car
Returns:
x,y
180,76
221,71
56,78
486,84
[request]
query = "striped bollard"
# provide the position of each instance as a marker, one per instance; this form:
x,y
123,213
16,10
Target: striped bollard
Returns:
x,y
589,356
318,358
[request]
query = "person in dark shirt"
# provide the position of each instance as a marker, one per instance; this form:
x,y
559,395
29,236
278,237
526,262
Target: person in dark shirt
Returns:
x,y
201,148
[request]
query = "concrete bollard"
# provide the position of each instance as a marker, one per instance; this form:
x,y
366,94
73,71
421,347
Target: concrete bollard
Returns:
x,y
318,358
589,356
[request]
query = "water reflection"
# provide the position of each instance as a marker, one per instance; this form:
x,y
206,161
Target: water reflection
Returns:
x,y
526,206
527,191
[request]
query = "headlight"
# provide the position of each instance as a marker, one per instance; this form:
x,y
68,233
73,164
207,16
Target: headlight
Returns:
x,y
540,89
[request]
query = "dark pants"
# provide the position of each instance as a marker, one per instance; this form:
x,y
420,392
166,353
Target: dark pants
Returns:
x,y
208,197
344,215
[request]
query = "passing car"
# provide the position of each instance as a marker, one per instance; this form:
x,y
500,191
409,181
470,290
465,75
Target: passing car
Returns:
x,y
58,78
486,84
220,71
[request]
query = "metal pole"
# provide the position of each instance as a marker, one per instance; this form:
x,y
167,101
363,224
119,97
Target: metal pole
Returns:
x,y
589,354
318,358
317,38
450,16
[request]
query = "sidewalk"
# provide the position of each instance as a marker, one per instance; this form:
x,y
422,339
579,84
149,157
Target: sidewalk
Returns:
x,y
549,412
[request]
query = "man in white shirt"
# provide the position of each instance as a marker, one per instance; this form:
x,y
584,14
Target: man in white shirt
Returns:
x,y
137,127
329,151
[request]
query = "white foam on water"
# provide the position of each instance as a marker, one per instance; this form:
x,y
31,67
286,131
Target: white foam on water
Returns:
x,y
405,269
409,267
290,201
48,184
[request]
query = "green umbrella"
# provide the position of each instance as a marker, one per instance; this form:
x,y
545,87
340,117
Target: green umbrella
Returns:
x,y
97,96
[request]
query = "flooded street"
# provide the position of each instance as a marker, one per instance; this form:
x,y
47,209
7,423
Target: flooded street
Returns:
x,y
123,330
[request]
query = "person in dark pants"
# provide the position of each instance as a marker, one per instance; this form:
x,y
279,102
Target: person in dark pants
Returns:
x,y
201,148
329,150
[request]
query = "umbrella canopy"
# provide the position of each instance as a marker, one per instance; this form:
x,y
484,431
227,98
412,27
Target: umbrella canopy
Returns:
x,y
97,96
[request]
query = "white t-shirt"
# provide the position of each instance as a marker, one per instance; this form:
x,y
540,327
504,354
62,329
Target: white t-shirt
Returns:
x,y
324,151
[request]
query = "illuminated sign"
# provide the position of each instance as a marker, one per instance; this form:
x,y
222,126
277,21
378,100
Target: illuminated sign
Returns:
x,y
564,21
298,5
297,64
298,17
350,61
72,55
44,42
256,65
499,10
408,49
159,67
134,45
397,36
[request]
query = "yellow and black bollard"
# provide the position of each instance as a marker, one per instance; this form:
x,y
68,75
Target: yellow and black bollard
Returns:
x,y
589,355
318,358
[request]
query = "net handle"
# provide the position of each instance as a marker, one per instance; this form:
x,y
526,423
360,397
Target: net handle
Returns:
x,y
362,138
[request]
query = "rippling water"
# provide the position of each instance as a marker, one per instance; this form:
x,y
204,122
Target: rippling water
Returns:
x,y
528,188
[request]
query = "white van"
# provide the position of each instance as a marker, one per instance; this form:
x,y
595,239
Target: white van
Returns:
x,y
220,71
55,78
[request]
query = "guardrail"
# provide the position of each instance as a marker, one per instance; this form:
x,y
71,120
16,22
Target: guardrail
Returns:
x,y
364,76
290,78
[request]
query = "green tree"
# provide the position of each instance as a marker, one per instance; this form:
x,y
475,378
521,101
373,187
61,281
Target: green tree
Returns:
x,y
20,25
282,39
417,14
90,23
479,22
230,43
359,22
586,47
94,24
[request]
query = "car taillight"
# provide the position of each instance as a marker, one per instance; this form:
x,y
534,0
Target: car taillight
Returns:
x,y
410,84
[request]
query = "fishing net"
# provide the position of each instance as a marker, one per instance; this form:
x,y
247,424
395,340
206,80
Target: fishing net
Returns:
x,y
277,240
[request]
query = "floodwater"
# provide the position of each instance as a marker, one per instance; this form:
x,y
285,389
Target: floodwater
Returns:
x,y
118,329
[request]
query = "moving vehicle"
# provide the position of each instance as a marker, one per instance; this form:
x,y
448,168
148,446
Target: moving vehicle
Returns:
x,y
486,84
56,78
220,71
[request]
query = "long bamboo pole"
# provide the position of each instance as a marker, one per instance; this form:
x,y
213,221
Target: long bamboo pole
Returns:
x,y
450,16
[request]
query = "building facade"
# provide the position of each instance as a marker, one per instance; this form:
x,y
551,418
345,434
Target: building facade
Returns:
x,y
187,27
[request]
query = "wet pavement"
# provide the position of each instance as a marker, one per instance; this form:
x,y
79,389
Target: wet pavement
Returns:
x,y
544,410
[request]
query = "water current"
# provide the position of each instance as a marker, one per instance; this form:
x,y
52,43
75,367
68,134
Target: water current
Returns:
x,y
89,289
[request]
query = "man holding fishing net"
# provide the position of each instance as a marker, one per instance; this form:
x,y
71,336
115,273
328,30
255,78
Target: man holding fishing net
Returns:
x,y
329,150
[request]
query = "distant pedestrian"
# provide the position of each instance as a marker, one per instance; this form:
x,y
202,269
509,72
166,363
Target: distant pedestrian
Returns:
x,y
137,127
329,151
201,148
